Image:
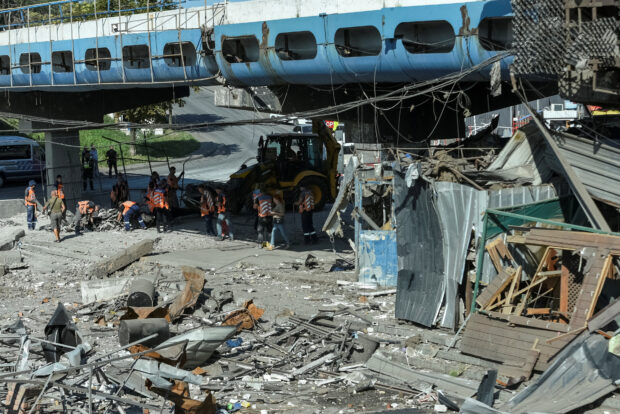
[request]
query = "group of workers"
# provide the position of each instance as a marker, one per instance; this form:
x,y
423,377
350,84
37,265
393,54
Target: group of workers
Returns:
x,y
161,198
214,206
270,212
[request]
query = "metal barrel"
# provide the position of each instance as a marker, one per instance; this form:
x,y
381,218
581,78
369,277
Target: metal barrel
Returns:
x,y
141,294
135,329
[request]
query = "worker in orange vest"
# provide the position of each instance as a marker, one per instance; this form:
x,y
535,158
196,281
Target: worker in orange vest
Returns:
x,y
31,203
263,205
161,207
207,208
129,210
85,208
148,197
222,214
306,209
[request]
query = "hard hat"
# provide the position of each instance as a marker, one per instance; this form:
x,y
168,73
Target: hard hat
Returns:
x,y
31,183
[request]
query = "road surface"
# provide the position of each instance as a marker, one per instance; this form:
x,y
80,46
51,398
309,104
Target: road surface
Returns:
x,y
222,148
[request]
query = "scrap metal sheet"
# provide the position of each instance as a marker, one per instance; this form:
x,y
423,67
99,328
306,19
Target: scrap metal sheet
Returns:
x,y
420,284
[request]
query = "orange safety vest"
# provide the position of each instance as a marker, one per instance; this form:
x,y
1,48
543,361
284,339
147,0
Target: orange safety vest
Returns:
x,y
264,205
128,204
308,202
207,206
222,203
159,199
149,200
61,194
84,208
31,197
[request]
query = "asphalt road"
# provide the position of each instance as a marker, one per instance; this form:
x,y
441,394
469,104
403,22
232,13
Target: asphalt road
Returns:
x,y
222,151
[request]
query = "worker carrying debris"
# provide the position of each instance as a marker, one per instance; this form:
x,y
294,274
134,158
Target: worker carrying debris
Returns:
x,y
57,209
207,208
31,203
85,209
262,205
306,209
130,210
222,215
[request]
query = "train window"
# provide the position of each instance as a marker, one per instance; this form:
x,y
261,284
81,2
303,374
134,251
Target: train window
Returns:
x,y
296,46
5,65
62,61
358,41
495,33
136,57
241,49
30,62
426,37
174,53
98,59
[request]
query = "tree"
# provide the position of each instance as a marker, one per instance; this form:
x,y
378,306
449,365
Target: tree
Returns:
x,y
148,114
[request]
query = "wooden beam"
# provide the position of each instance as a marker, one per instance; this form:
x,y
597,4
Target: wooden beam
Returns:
x,y
564,289
607,266
538,311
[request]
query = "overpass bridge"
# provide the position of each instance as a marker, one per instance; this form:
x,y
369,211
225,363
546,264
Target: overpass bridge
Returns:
x,y
72,45
78,60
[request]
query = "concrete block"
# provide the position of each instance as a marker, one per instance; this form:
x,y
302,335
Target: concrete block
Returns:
x,y
10,258
96,290
10,208
123,258
7,242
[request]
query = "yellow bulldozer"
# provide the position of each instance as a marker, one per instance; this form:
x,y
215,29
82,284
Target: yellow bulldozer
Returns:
x,y
286,162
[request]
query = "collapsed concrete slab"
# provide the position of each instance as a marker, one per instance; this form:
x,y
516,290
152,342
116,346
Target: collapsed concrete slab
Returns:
x,y
7,242
122,258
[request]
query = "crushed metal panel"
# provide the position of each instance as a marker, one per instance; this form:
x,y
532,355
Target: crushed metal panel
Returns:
x,y
582,373
596,163
378,261
526,157
420,285
457,210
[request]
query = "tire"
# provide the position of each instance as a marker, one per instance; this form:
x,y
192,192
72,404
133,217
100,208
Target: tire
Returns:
x,y
318,186
2,180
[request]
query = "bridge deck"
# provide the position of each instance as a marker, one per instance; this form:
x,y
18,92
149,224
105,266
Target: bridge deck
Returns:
x,y
259,42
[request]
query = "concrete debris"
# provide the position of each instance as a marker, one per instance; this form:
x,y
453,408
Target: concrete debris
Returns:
x,y
458,288
122,259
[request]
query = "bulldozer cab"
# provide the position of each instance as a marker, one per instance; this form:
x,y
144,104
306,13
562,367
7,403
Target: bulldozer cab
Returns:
x,y
294,153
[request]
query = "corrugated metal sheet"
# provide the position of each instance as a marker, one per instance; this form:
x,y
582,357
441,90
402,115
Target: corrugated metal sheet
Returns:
x,y
597,164
457,207
420,285
377,258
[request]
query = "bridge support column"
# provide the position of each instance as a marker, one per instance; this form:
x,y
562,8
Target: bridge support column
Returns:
x,y
62,156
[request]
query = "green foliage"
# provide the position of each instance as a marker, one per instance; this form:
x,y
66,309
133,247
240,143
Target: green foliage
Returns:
x,y
155,148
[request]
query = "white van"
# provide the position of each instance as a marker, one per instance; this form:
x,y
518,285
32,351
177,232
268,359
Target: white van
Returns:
x,y
21,159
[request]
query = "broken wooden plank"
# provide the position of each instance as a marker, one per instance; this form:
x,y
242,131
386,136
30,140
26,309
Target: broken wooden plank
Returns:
x,y
516,278
494,289
123,258
538,311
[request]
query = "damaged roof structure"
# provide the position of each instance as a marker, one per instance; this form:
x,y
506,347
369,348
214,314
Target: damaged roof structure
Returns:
x,y
513,246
